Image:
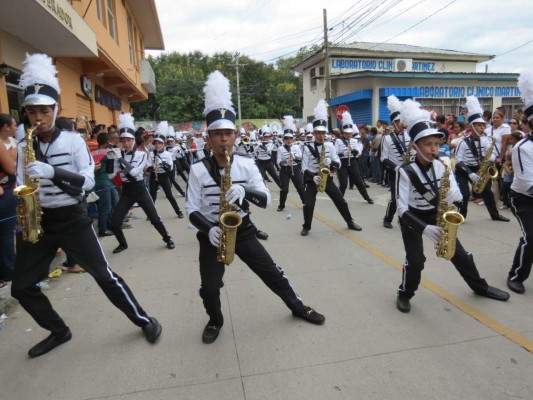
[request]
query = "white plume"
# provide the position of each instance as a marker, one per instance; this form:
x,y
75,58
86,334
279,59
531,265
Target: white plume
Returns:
x,y
217,93
525,84
162,128
171,131
265,128
309,128
473,106
38,68
321,110
347,118
125,120
288,123
394,104
411,112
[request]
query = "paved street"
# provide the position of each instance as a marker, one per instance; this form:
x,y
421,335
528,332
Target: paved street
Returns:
x,y
453,345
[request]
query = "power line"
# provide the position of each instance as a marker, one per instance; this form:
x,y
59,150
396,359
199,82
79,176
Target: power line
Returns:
x,y
516,48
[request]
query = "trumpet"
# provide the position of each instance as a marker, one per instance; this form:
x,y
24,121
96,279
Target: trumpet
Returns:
x,y
245,140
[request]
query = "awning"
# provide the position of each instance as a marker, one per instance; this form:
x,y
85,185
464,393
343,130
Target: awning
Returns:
x,y
50,26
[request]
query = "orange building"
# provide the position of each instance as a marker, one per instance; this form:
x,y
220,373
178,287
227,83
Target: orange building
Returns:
x,y
97,46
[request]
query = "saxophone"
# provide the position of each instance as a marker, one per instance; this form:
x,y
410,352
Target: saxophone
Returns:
x,y
486,170
447,218
349,152
229,219
29,211
323,170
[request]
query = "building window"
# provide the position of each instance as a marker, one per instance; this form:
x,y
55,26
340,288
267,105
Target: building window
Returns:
x,y
511,104
99,10
321,71
131,41
111,19
312,79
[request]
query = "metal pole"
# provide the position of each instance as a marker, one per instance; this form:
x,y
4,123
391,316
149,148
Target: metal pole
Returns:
x,y
238,88
326,51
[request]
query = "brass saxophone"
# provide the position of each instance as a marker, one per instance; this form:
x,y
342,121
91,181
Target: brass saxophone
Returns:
x,y
323,170
29,212
229,219
486,170
447,218
349,152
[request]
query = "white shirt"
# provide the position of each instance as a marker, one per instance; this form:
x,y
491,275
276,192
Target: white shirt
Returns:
x,y
389,150
138,159
284,155
157,161
342,147
263,150
465,155
498,133
69,152
522,158
203,193
312,164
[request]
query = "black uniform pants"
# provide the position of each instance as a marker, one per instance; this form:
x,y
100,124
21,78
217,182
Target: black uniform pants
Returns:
x,y
391,207
286,175
267,166
253,254
487,195
351,171
522,209
334,194
463,261
71,229
135,192
172,178
163,180
183,166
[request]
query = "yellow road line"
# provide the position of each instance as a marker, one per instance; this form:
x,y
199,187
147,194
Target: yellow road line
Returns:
x,y
469,310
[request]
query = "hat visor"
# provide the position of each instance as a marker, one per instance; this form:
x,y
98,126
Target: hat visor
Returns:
x,y
221,124
158,139
38,100
320,128
428,132
126,135
478,120
347,130
289,135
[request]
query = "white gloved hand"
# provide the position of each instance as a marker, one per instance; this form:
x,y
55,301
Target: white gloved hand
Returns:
x,y
433,232
235,194
474,177
214,235
327,162
346,153
453,196
316,179
38,169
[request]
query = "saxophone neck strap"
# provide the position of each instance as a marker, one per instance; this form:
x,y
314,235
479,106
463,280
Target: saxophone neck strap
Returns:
x,y
430,196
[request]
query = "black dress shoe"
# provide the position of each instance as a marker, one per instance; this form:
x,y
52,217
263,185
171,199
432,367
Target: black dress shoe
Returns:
x,y
309,315
387,224
516,286
501,218
49,343
403,304
152,330
120,248
367,185
354,227
180,214
210,333
106,233
370,201
496,294
261,235
170,243
304,232
280,208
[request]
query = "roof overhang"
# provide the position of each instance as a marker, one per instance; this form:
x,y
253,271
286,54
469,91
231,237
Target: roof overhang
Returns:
x,y
145,14
54,27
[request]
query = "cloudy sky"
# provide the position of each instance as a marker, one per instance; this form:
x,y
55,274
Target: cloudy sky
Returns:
x,y
268,29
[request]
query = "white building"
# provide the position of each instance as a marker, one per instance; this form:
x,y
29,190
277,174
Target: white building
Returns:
x,y
362,75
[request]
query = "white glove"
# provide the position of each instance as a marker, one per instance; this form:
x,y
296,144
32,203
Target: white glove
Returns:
x,y
453,196
346,153
433,232
316,179
235,194
111,155
327,162
474,177
38,169
214,235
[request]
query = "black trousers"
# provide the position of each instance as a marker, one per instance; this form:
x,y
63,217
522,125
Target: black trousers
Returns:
x,y
163,180
183,166
286,175
351,171
71,229
135,192
391,207
522,209
253,254
334,194
487,195
463,262
172,178
267,166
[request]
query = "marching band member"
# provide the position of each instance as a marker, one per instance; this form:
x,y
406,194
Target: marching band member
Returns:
x,y
394,148
66,170
161,169
311,166
469,153
182,156
263,154
247,186
289,159
131,164
522,192
349,149
417,196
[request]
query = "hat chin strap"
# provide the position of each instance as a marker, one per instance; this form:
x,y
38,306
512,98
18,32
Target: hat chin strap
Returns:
x,y
421,154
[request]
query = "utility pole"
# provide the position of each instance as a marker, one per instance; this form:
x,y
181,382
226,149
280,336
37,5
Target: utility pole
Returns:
x,y
237,65
326,62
